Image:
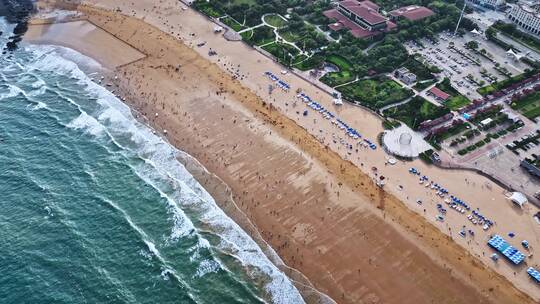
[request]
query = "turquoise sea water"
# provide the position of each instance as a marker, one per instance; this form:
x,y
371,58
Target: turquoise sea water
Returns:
x,y
94,208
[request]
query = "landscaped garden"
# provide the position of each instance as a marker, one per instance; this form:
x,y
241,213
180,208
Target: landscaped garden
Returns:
x,y
289,36
337,78
503,84
456,100
344,75
375,93
342,63
284,53
275,21
235,25
529,105
305,25
416,111
312,62
418,68
259,36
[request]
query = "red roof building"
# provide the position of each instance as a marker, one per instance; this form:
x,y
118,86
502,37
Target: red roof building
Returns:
x,y
362,18
439,94
411,12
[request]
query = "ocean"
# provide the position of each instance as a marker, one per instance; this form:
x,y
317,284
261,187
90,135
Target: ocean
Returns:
x,y
95,208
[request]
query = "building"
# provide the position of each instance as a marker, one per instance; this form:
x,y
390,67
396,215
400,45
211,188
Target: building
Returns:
x,y
438,94
525,17
361,18
411,13
492,4
365,13
405,75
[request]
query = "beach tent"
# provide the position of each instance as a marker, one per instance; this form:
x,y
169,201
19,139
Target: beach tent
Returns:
x,y
518,198
475,32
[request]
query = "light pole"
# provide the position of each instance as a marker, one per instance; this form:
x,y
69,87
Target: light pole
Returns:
x,y
460,16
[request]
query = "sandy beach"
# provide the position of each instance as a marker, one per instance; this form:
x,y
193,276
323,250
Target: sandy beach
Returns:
x,y
293,181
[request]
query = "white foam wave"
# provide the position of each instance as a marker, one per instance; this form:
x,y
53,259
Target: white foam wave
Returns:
x,y
173,182
149,243
58,15
207,266
39,105
39,83
12,91
87,123
60,60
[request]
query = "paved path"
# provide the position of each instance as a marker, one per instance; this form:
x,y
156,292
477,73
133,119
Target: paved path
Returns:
x,y
278,36
251,28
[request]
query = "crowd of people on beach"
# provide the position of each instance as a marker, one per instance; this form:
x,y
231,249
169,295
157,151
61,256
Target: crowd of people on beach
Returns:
x,y
326,114
455,203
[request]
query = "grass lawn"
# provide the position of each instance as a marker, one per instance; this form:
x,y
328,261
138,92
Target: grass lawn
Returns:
x,y
529,105
282,52
289,36
232,23
375,93
416,111
275,20
334,79
532,113
342,63
298,59
499,85
259,36
457,102
311,63
247,35
207,9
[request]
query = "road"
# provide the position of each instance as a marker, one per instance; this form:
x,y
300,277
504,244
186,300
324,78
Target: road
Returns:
x,y
524,49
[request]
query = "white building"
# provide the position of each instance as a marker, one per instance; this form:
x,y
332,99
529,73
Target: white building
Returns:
x,y
493,4
526,18
405,75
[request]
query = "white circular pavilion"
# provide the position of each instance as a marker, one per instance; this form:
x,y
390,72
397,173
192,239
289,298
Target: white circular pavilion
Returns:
x,y
403,141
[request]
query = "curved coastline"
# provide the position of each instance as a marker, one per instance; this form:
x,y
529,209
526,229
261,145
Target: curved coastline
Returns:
x,y
87,66
392,202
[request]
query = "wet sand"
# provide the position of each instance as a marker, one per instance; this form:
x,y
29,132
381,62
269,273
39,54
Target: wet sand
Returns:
x,y
84,37
316,210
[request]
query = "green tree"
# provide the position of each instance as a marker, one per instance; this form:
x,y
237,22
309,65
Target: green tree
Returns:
x,y
472,44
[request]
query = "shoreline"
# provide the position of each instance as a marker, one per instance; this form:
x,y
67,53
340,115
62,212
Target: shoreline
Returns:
x,y
211,183
271,114
217,188
222,193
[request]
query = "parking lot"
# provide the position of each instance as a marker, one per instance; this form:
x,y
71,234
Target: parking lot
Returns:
x,y
501,163
467,70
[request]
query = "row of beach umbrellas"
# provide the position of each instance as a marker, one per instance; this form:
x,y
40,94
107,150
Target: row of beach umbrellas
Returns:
x,y
351,132
454,200
280,83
